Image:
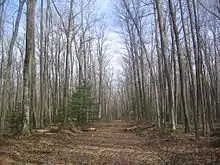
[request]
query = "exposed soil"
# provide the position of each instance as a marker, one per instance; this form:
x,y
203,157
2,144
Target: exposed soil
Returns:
x,y
109,145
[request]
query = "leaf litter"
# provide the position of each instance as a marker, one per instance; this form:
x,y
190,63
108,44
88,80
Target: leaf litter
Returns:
x,y
109,145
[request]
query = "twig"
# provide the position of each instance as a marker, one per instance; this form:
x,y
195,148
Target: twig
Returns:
x,y
209,10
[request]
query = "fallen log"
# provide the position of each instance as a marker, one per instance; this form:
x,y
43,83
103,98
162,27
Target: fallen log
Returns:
x,y
41,130
130,128
68,132
49,130
136,127
91,129
147,127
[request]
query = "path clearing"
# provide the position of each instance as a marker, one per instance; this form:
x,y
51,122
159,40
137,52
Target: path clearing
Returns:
x,y
108,145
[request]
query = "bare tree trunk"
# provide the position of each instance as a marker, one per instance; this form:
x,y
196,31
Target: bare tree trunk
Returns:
x,y
188,53
100,96
66,85
216,86
160,111
182,79
193,24
45,64
2,63
167,68
33,94
30,37
144,109
175,83
42,92
7,76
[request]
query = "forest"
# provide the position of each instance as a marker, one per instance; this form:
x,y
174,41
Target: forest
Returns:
x,y
109,82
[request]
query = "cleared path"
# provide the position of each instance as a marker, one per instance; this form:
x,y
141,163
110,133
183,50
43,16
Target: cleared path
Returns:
x,y
107,145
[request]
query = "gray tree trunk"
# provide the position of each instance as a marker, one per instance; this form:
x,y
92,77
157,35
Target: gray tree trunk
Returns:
x,y
30,37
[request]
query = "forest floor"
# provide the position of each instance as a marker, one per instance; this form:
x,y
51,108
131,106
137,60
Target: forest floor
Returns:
x,y
110,144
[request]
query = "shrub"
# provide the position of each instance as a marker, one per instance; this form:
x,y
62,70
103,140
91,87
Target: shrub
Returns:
x,y
81,105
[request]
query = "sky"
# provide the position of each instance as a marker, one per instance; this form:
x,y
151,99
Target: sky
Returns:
x,y
209,3
114,42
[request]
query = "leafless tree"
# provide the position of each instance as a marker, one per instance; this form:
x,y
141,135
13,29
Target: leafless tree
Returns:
x,y
29,55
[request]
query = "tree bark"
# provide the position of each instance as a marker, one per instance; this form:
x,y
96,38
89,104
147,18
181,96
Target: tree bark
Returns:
x,y
167,68
182,79
30,37
42,100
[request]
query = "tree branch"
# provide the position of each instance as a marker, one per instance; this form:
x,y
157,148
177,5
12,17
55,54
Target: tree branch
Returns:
x,y
217,16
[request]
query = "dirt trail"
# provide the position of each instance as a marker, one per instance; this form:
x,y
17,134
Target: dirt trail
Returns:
x,y
107,145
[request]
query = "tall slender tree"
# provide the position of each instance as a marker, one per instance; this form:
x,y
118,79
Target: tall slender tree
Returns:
x,y
30,50
7,76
